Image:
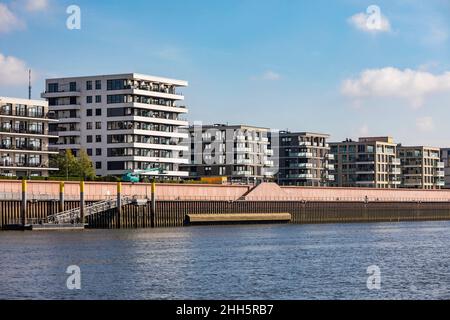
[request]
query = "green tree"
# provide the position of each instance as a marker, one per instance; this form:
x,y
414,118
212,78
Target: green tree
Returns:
x,y
85,166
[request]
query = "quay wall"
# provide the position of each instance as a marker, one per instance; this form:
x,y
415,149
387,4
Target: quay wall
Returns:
x,y
95,191
173,213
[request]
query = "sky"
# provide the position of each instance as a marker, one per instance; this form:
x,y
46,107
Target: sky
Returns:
x,y
323,66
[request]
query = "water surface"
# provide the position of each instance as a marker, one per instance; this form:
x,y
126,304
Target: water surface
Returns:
x,y
231,262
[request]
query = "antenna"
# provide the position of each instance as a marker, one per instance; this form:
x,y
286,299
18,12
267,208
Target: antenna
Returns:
x,y
29,84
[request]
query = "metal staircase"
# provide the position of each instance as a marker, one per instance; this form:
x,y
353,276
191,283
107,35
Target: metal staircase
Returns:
x,y
73,216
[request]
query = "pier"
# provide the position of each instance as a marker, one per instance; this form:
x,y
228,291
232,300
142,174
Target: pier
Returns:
x,y
54,205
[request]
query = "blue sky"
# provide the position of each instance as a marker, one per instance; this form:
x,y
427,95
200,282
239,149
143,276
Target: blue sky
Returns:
x,y
286,64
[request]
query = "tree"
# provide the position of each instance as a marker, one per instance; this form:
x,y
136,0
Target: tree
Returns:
x,y
71,166
85,166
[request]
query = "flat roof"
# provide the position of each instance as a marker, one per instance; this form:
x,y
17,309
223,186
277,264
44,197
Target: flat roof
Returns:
x,y
42,103
181,83
225,126
305,133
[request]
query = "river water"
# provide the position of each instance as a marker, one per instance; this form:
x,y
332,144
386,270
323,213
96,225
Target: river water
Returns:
x,y
231,262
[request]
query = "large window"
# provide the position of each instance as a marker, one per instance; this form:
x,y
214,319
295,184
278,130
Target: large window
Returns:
x,y
117,84
116,98
116,165
73,86
98,85
53,87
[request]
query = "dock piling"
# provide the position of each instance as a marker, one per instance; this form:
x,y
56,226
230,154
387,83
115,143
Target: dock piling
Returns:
x,y
23,209
82,202
119,203
153,204
61,196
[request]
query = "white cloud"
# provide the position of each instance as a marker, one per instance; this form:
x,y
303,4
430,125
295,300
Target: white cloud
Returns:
x,y
8,20
36,5
13,71
411,85
363,130
425,124
272,76
362,22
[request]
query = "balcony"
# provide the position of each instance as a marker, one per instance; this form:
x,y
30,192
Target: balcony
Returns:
x,y
300,176
241,173
301,165
61,94
244,150
440,174
269,152
268,163
396,162
440,165
330,156
304,143
330,177
244,161
396,171
301,155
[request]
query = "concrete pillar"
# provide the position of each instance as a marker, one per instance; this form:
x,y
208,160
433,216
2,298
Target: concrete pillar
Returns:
x,y
82,202
61,196
153,204
119,203
23,208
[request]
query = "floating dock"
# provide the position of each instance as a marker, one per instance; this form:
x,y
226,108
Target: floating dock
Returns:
x,y
237,218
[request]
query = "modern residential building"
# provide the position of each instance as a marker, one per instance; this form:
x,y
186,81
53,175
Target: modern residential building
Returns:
x,y
238,152
304,159
125,122
369,162
421,167
24,137
445,158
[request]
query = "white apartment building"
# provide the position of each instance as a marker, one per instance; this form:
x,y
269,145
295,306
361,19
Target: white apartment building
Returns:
x,y
24,137
125,122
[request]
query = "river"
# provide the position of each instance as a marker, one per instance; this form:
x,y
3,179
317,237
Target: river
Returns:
x,y
231,262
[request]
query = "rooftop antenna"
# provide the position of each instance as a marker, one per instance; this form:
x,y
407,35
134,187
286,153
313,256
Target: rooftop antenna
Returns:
x,y
29,84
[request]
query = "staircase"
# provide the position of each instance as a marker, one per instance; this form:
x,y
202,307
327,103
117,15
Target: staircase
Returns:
x,y
73,216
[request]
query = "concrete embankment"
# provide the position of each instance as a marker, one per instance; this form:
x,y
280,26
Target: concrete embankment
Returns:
x,y
174,202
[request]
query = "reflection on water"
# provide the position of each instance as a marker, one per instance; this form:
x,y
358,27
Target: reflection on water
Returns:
x,y
231,262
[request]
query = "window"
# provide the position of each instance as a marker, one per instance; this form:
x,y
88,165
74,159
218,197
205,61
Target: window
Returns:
x,y
116,165
98,112
73,100
117,98
98,138
98,99
89,112
98,165
98,125
116,112
98,152
89,152
98,85
88,125
89,99
89,139
53,87
88,85
73,86
117,84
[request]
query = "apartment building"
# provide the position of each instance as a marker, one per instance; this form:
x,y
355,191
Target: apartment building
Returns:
x,y
370,162
125,122
304,159
445,158
238,152
24,137
421,167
